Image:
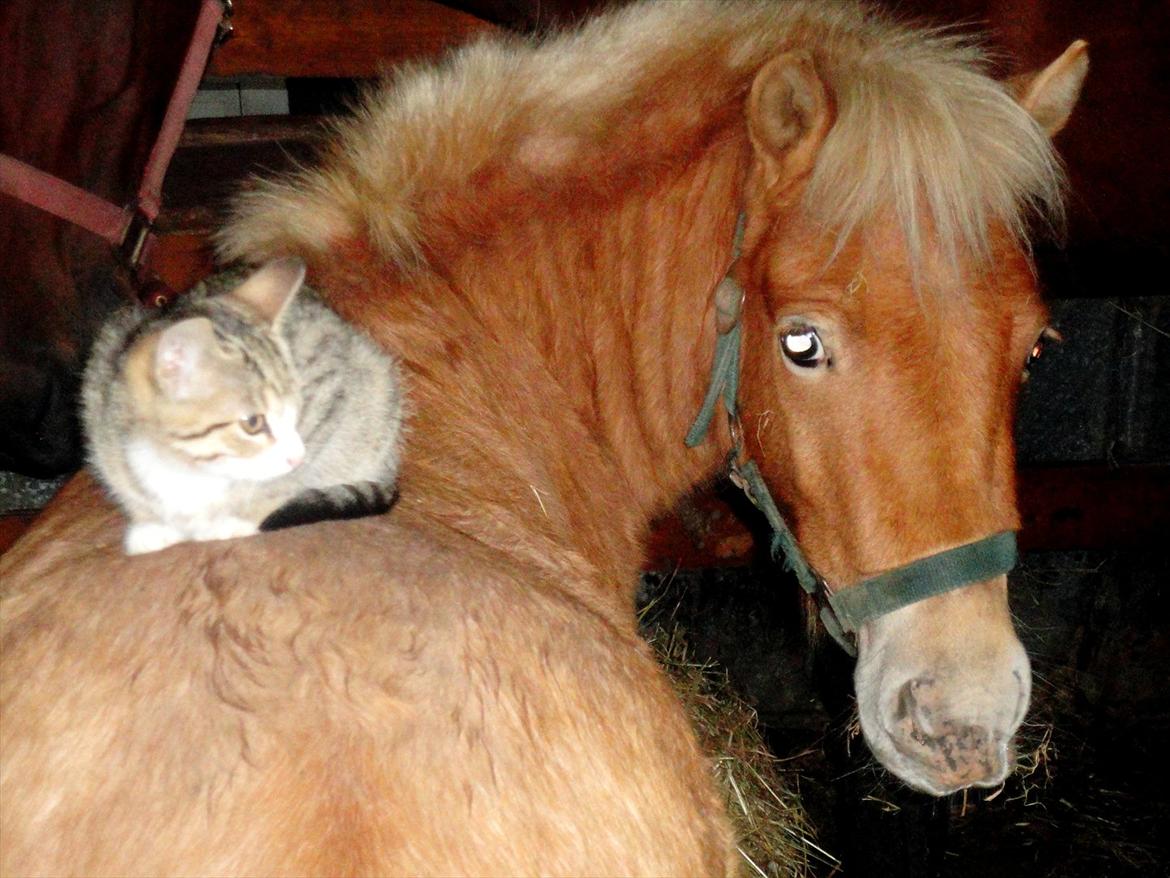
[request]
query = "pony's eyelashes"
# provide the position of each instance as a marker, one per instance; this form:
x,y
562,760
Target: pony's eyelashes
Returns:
x,y
804,351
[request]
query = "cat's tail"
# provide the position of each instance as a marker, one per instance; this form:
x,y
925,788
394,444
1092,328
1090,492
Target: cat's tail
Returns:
x,y
334,503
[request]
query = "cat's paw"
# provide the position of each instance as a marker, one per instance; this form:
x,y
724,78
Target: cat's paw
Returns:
x,y
226,529
149,536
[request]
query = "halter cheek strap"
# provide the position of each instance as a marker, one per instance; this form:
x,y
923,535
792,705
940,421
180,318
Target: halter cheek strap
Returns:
x,y
843,610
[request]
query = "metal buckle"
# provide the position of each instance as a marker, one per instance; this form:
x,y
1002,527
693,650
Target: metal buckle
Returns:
x,y
138,231
154,293
225,29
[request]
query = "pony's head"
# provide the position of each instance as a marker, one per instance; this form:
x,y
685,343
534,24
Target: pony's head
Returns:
x,y
891,310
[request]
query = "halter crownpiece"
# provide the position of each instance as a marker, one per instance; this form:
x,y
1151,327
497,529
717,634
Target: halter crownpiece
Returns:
x,y
842,610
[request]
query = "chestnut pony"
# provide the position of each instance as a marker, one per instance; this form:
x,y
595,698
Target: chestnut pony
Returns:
x,y
539,231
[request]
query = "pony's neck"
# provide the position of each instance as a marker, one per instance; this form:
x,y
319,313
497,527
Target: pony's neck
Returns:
x,y
555,367
617,302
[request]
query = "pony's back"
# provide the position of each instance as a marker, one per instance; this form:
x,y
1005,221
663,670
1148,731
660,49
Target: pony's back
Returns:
x,y
247,716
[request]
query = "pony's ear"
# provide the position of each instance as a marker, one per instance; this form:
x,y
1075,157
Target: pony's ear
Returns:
x,y
269,289
1050,94
789,112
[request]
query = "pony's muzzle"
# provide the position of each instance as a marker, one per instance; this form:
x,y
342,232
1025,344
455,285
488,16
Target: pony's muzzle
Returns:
x,y
950,746
940,702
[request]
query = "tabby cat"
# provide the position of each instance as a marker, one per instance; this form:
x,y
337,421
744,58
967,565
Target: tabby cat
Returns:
x,y
248,406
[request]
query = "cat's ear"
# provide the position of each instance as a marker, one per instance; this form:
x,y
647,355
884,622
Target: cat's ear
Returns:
x,y
180,356
270,288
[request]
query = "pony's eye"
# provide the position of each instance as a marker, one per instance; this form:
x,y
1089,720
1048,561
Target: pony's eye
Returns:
x,y
1037,351
1049,334
254,424
802,346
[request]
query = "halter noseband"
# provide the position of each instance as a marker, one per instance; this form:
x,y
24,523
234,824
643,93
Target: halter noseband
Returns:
x,y
841,610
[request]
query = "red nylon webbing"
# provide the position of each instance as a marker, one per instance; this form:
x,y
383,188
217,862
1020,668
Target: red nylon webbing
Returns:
x,y
64,200
84,209
198,51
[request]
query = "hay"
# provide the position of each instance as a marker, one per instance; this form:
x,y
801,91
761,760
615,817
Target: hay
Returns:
x,y
1078,814
775,835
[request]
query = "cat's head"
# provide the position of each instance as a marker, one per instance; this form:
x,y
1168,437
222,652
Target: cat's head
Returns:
x,y
216,388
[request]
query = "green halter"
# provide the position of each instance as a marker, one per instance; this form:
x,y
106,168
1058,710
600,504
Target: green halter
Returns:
x,y
842,611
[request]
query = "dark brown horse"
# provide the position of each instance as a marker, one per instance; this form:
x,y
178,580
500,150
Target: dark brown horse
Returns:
x,y
540,232
84,89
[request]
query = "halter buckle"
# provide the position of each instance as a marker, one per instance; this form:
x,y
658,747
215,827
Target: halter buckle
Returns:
x,y
139,228
225,29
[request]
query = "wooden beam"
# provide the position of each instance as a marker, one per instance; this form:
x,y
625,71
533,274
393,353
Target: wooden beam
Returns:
x,y
239,130
1079,507
1093,506
339,38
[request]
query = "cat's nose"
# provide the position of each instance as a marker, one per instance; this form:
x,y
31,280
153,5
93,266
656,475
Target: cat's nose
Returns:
x,y
294,450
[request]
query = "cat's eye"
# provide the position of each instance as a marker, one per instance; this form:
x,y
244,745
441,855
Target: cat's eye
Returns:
x,y
802,347
254,424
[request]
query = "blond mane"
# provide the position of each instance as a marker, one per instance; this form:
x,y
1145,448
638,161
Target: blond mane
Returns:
x,y
922,130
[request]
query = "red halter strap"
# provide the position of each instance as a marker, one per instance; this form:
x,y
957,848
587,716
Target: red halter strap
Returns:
x,y
130,229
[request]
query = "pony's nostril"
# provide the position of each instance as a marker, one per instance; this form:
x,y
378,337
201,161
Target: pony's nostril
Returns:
x,y
904,706
912,708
